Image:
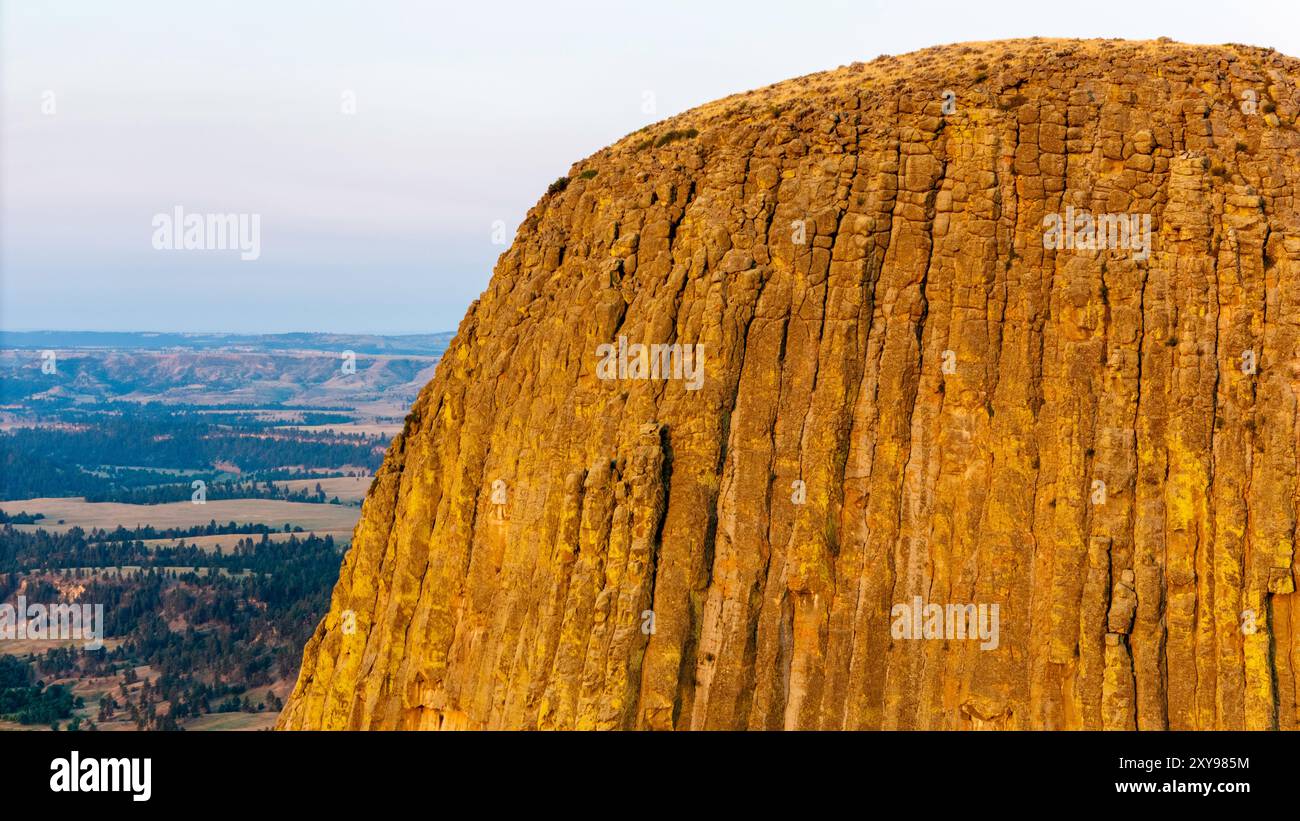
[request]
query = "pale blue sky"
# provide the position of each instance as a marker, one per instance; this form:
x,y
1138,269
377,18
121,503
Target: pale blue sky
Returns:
x,y
381,222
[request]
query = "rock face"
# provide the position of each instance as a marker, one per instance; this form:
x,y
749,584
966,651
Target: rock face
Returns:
x,y
975,407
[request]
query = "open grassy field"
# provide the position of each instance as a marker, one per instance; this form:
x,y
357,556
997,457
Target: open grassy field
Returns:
x,y
23,647
233,721
63,514
347,488
368,428
210,543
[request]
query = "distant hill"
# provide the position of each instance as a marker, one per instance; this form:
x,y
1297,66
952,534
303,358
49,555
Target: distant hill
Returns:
x,y
218,369
415,344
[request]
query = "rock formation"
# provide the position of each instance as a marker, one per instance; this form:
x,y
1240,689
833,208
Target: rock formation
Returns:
x,y
972,404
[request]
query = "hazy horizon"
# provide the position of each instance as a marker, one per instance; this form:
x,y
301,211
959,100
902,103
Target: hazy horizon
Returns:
x,y
218,331
381,150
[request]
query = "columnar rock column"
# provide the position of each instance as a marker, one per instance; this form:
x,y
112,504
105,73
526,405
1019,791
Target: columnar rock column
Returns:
x,y
952,391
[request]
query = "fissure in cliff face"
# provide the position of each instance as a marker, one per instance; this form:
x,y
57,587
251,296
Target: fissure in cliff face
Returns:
x,y
973,404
